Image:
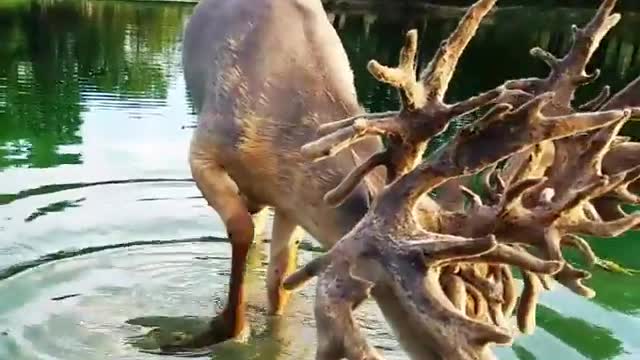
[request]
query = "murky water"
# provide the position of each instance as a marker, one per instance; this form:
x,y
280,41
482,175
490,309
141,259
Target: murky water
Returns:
x,y
100,223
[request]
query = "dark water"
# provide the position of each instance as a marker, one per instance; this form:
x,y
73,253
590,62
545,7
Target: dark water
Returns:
x,y
95,189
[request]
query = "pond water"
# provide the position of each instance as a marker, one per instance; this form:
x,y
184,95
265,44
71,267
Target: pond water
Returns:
x,y
100,222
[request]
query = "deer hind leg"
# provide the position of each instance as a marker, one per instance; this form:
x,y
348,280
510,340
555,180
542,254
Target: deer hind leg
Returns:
x,y
222,194
260,217
282,260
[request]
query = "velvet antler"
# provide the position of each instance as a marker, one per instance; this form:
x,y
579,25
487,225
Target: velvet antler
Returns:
x,y
446,270
389,248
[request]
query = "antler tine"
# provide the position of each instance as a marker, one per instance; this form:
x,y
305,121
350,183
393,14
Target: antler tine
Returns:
x,y
546,57
475,198
582,246
517,256
403,77
526,312
628,97
312,269
572,279
514,193
328,128
337,195
586,40
606,228
338,135
598,101
509,296
332,143
478,307
338,293
455,289
453,248
438,74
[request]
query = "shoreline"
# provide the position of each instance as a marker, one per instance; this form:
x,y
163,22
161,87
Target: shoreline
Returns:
x,y
448,5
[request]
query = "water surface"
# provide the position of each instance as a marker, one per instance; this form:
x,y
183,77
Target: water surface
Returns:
x,y
100,222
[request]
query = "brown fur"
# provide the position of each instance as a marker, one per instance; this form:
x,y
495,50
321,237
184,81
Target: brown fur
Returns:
x,y
261,87
273,83
270,96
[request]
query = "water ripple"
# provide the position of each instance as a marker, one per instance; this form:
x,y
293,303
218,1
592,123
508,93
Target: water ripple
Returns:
x,y
81,305
66,254
53,188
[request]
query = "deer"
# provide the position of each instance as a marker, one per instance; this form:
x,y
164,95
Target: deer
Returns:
x,y
279,126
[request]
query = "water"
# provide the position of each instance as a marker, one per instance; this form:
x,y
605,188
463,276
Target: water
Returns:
x,y
100,223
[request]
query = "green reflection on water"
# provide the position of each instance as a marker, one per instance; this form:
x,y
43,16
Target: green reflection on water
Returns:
x,y
60,60
615,291
54,54
601,343
522,353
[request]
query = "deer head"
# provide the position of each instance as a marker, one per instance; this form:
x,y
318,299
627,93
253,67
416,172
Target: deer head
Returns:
x,y
552,171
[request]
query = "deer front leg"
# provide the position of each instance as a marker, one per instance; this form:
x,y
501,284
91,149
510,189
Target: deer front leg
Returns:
x,y
282,260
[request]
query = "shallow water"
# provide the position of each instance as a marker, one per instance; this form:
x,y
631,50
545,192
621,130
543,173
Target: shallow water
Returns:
x,y
100,223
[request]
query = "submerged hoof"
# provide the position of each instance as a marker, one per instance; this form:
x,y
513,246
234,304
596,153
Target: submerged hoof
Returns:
x,y
184,336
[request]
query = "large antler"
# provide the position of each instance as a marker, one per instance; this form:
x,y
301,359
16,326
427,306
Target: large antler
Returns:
x,y
447,269
389,248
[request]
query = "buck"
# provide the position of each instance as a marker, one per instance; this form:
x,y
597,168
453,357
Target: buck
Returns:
x,y
279,126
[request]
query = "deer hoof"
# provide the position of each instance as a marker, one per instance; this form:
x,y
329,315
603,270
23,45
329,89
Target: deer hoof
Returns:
x,y
188,338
